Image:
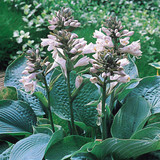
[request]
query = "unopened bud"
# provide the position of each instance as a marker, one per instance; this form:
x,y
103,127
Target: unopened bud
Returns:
x,y
78,81
93,70
94,79
118,34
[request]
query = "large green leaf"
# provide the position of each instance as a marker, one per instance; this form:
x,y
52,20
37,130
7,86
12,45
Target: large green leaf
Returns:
x,y
36,145
129,117
149,88
16,117
14,72
82,112
32,100
66,147
147,133
125,148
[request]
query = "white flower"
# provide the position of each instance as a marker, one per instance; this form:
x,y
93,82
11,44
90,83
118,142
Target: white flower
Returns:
x,y
78,81
125,41
30,86
98,35
123,62
123,79
133,49
90,48
128,33
106,31
82,62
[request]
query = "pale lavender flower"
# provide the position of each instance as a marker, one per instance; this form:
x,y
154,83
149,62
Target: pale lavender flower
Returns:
x,y
78,81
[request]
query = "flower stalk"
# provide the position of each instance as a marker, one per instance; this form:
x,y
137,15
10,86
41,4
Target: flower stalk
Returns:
x,y
49,107
73,130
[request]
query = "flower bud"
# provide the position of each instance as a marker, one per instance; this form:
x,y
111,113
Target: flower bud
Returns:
x,y
93,70
73,51
94,79
118,34
78,81
66,23
125,31
106,31
96,66
77,25
25,72
72,24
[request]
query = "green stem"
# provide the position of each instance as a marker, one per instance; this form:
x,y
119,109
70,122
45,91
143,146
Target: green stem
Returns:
x,y
49,107
104,129
70,103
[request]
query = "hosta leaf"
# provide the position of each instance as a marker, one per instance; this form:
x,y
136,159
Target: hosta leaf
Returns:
x,y
5,155
131,69
149,88
16,117
125,148
12,77
35,146
32,100
129,117
85,156
14,72
66,147
82,112
147,133
3,146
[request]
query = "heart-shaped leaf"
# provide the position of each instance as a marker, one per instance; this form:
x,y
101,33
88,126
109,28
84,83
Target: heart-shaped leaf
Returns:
x,y
149,88
82,112
16,117
129,117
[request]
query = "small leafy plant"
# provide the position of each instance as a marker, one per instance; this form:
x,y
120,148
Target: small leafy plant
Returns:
x,y
93,88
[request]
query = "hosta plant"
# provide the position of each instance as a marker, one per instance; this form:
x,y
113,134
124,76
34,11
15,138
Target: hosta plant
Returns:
x,y
87,104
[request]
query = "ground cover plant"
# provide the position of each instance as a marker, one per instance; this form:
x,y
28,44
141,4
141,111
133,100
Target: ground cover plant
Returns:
x,y
87,103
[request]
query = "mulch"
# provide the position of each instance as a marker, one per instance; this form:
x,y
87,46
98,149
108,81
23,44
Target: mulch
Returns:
x,y
2,74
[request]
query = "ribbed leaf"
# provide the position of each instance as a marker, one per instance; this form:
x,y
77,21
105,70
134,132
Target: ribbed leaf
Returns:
x,y
33,101
66,147
129,117
149,88
125,149
82,112
147,133
16,117
84,156
5,155
3,146
14,72
35,146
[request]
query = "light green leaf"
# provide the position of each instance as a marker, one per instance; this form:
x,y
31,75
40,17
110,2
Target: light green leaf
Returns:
x,y
129,117
149,88
66,147
82,112
125,148
131,69
16,117
155,65
36,145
